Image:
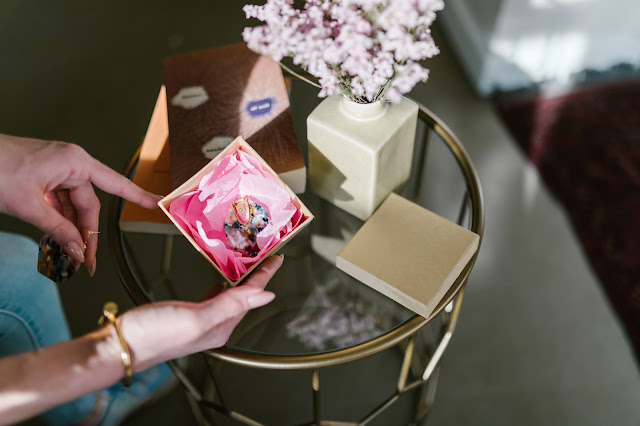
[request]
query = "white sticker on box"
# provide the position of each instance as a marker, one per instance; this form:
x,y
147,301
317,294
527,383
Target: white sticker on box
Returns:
x,y
215,146
190,97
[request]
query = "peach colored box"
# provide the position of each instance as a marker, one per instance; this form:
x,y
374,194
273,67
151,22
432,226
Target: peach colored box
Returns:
x,y
192,183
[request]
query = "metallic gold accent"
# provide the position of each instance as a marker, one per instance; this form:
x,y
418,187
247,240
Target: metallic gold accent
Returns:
x,y
244,419
449,307
427,397
315,380
315,385
433,362
110,308
406,362
379,409
109,312
248,207
86,233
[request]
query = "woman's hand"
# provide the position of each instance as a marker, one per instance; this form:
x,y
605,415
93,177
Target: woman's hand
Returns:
x,y
166,330
33,382
49,184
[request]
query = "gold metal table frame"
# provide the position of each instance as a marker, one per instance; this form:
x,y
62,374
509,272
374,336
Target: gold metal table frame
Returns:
x,y
402,336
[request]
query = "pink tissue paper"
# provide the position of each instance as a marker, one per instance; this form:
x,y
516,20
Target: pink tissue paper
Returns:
x,y
200,206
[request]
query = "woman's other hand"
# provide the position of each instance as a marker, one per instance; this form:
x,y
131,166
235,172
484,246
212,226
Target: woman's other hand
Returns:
x,y
166,330
50,185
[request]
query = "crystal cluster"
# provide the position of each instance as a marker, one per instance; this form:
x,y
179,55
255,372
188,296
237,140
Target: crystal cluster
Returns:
x,y
244,222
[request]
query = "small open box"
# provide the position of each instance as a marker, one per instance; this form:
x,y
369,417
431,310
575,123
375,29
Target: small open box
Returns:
x,y
216,169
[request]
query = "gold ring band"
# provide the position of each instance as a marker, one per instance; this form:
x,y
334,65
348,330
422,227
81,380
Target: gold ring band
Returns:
x,y
86,233
249,207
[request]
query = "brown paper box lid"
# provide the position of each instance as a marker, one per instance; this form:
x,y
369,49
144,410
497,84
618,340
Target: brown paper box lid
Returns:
x,y
409,254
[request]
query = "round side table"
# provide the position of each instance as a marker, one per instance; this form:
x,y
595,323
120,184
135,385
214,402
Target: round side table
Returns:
x,y
321,317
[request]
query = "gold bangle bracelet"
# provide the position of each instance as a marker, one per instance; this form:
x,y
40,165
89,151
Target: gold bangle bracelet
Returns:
x,y
109,312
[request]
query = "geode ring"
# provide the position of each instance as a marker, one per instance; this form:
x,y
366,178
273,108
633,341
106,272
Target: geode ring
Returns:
x,y
245,220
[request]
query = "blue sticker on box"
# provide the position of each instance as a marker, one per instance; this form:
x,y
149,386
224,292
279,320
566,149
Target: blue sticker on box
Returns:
x,y
260,107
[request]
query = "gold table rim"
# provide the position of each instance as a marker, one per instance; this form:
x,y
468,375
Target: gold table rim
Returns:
x,y
337,356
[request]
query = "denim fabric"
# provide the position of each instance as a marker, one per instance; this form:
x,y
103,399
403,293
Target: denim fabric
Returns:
x,y
31,315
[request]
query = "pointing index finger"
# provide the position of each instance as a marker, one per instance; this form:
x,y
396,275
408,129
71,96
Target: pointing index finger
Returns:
x,y
114,183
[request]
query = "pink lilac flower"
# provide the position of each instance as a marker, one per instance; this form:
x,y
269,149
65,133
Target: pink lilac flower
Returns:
x,y
365,49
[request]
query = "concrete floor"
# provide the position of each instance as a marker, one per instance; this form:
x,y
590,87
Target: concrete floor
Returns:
x,y
537,342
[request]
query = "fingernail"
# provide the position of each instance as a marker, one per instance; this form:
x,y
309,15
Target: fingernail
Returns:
x,y
159,197
92,269
282,256
260,299
72,249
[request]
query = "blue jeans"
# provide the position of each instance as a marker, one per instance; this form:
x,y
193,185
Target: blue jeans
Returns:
x,y
31,315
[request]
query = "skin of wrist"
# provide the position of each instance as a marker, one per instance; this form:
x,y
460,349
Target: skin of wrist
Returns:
x,y
148,344
125,324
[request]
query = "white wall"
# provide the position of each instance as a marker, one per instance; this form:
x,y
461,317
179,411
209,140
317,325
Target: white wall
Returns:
x,y
508,44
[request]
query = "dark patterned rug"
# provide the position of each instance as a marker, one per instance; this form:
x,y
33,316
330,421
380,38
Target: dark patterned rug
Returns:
x,y
586,146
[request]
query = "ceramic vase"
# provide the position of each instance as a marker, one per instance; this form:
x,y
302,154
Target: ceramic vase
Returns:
x,y
359,153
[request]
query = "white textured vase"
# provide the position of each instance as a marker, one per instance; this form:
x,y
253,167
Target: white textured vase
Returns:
x,y
359,153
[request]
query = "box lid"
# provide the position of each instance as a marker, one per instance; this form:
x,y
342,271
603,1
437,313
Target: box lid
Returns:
x,y
409,254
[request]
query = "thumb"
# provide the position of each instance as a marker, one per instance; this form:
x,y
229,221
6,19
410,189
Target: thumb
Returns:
x,y
62,230
232,303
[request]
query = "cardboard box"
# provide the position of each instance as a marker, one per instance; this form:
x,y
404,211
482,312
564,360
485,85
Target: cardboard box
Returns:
x,y
192,183
409,254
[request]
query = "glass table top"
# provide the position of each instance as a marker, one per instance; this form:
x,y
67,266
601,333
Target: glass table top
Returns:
x,y
318,308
